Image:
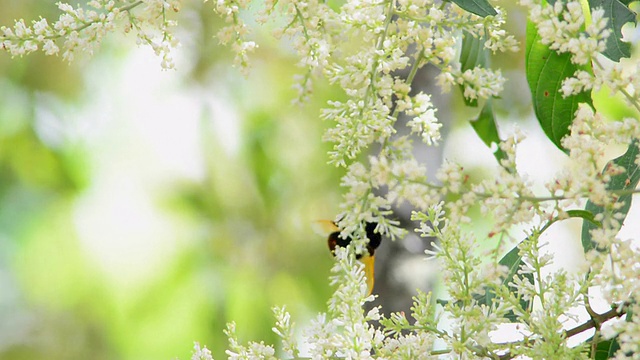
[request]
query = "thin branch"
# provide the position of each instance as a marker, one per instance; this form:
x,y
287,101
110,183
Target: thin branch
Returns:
x,y
595,322
85,25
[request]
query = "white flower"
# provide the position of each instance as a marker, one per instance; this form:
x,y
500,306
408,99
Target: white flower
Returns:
x,y
80,29
200,353
560,27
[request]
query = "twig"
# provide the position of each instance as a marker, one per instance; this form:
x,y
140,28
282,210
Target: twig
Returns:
x,y
595,322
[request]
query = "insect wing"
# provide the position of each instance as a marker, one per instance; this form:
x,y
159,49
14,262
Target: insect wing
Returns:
x,y
324,227
332,232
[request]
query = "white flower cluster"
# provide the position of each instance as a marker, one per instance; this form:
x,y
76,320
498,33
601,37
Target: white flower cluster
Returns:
x,y
480,83
334,335
346,329
373,50
154,28
392,37
405,180
623,77
619,77
235,32
284,329
590,136
468,278
80,30
425,122
561,26
510,201
615,270
418,343
362,205
506,198
201,353
253,350
497,38
556,293
363,46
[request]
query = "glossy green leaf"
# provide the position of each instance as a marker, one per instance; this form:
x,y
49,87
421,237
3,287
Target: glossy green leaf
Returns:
x,y
479,7
618,14
545,71
472,54
486,128
628,180
606,349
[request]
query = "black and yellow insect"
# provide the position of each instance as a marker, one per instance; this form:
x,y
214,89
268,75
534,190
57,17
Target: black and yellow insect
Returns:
x,y
368,258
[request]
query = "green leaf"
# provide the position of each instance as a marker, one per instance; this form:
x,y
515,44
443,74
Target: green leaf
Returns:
x,y
584,214
481,8
606,349
618,14
545,71
512,260
628,180
473,54
486,128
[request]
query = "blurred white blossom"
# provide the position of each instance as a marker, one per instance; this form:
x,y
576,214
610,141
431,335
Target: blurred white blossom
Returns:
x,y
81,30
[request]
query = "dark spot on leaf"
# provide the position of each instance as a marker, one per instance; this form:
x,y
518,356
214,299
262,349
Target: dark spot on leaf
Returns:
x,y
546,93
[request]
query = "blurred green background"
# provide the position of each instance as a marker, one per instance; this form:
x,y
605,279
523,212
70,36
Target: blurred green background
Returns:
x,y
141,210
